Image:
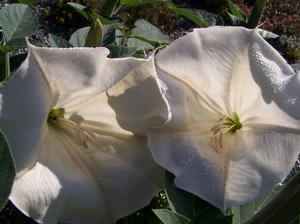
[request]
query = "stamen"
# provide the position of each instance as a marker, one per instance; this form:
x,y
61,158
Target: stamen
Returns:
x,y
56,117
229,124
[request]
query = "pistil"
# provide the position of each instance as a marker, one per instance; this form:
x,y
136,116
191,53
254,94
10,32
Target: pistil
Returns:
x,y
228,124
56,118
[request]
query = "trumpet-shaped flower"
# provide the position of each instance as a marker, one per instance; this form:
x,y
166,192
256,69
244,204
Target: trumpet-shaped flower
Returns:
x,y
74,163
235,130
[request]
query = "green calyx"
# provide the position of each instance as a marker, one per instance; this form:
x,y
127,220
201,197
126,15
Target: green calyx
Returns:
x,y
231,123
55,114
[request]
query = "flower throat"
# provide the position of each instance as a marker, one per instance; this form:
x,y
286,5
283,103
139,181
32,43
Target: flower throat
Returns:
x,y
56,118
228,124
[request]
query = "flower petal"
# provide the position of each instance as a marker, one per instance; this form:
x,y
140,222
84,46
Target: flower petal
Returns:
x,y
111,178
197,167
270,157
139,100
276,79
71,72
202,57
24,107
209,78
52,77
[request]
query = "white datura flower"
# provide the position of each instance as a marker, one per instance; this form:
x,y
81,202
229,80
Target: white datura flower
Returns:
x,y
75,164
235,104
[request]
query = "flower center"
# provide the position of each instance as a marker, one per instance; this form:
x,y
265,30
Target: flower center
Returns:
x,y
228,124
56,118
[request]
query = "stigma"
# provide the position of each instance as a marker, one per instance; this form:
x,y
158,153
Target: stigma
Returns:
x,y
56,118
226,125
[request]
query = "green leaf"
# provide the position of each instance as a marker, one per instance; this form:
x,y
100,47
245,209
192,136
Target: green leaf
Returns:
x,y
188,205
141,2
296,220
146,36
17,42
95,35
108,8
7,48
82,10
56,41
189,15
7,170
169,217
105,21
79,36
18,21
109,35
16,61
283,208
77,6
236,21
119,51
37,43
236,12
210,18
296,67
256,14
242,213
29,2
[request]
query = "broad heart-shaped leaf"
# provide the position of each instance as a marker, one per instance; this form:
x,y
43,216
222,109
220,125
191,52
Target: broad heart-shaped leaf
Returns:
x,y
209,18
197,19
119,51
169,217
78,38
188,205
56,41
141,2
18,21
243,213
144,33
8,48
7,170
21,42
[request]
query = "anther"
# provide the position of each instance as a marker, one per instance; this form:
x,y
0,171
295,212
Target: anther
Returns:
x,y
227,124
56,117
